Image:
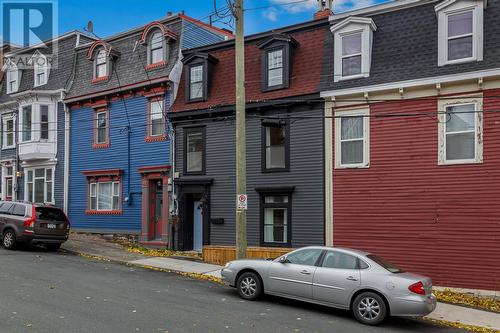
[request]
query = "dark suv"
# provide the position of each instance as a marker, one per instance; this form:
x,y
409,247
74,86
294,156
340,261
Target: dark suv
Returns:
x,y
22,222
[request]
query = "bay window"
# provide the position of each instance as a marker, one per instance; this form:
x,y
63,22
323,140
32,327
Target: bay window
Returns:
x,y
44,122
39,185
27,122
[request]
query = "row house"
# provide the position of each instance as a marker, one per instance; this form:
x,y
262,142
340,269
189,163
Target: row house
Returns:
x,y
119,155
412,133
284,144
35,81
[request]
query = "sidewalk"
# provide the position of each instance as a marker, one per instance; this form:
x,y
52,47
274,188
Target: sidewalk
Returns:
x,y
95,246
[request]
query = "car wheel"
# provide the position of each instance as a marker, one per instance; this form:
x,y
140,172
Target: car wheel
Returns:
x,y
53,247
369,308
249,286
9,240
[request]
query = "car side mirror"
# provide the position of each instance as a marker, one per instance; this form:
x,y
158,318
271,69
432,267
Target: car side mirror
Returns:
x,y
283,260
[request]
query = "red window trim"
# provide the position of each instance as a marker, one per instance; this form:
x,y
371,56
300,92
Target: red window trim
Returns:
x,y
156,138
100,79
94,129
156,65
96,176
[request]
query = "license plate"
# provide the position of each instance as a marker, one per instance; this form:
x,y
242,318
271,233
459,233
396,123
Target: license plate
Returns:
x,y
51,226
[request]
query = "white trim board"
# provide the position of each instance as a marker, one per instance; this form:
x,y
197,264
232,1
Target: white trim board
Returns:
x,y
413,83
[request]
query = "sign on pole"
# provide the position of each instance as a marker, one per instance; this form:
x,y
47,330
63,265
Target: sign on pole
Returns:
x,y
242,201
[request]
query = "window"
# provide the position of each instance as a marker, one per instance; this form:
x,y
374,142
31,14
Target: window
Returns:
x,y
276,219
101,69
8,132
156,118
8,182
104,196
351,55
308,257
101,133
339,260
353,39
19,210
157,51
385,264
275,68
39,185
460,36
5,208
27,113
275,146
460,131
12,79
460,31
352,139
196,82
194,146
41,69
44,122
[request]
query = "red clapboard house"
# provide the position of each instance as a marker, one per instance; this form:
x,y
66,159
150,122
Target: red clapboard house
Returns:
x,y
413,142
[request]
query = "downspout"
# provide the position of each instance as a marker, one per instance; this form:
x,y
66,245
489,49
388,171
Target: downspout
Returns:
x,y
66,156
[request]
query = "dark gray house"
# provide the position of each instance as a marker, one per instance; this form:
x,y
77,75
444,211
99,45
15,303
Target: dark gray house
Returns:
x,y
33,119
285,144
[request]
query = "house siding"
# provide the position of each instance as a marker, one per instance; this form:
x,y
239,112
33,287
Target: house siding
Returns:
x,y
85,158
441,221
194,35
306,174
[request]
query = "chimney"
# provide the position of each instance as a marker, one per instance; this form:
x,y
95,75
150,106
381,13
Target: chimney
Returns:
x,y
325,9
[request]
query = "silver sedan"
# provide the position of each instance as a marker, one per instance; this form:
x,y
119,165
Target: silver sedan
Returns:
x,y
366,284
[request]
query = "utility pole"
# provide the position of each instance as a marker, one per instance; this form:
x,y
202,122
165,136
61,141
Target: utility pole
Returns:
x,y
241,176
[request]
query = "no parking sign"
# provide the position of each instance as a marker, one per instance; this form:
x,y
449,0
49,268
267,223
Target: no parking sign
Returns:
x,y
242,201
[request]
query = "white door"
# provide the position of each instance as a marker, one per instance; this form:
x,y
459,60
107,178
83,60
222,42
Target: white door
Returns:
x,y
197,226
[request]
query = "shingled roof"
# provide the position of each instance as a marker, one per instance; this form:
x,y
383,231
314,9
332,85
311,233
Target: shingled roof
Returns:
x,y
129,66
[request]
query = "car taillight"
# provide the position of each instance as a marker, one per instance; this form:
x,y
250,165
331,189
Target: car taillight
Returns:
x,y
30,223
417,288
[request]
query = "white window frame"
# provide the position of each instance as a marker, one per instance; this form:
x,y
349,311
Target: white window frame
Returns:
x,y
191,82
442,117
161,102
97,64
365,113
151,49
350,26
270,68
452,7
4,166
96,132
45,168
13,75
36,125
96,196
40,69
6,119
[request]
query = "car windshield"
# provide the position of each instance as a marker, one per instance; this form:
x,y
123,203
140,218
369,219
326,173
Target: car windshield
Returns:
x,y
50,214
384,263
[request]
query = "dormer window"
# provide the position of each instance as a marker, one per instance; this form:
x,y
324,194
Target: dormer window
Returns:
x,y
12,79
196,82
156,48
351,54
460,31
275,68
41,70
101,68
353,38
277,53
198,72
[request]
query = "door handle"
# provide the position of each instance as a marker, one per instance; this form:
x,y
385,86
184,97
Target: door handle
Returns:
x,y
305,272
351,278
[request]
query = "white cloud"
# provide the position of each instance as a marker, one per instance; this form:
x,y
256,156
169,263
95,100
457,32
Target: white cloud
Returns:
x,y
271,14
311,5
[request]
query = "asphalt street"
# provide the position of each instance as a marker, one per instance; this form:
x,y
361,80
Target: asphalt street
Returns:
x,y
57,292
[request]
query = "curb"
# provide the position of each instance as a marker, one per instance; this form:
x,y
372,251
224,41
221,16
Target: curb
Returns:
x,y
198,276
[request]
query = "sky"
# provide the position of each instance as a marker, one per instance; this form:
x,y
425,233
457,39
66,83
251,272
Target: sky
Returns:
x,y
113,16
